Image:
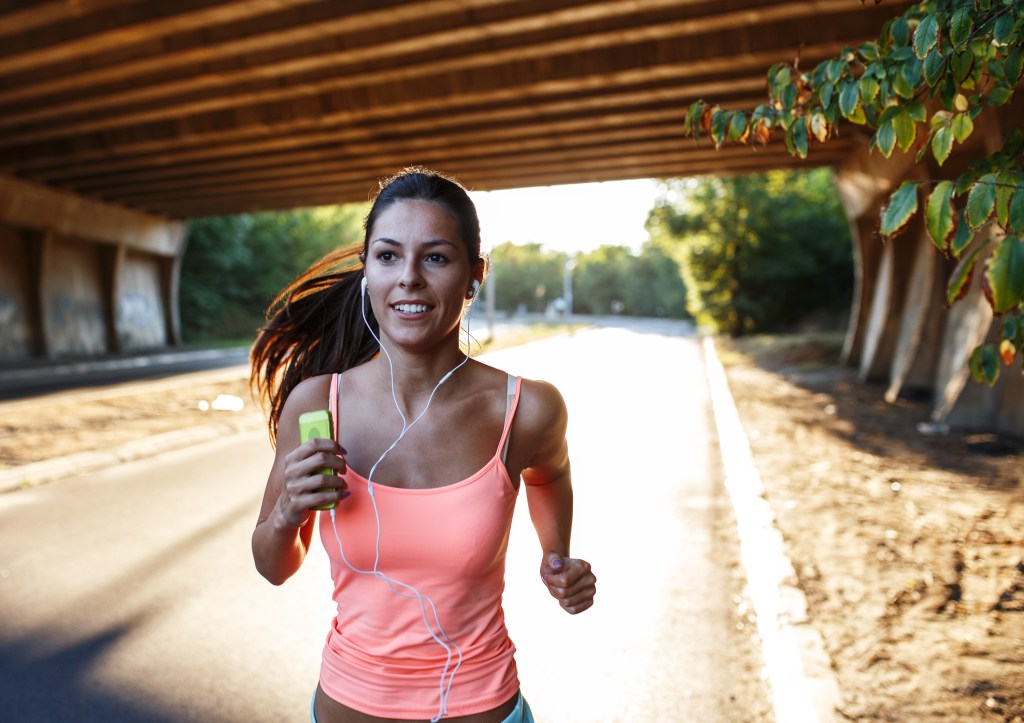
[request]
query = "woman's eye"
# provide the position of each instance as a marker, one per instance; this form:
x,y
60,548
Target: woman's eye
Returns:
x,y
386,256
437,258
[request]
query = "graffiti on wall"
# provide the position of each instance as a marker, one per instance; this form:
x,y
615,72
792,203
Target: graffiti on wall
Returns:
x,y
140,312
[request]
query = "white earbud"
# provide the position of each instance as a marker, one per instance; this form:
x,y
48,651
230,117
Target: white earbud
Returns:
x,y
473,292
363,289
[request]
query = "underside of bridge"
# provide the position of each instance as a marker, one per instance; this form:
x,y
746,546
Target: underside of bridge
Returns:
x,y
199,107
121,119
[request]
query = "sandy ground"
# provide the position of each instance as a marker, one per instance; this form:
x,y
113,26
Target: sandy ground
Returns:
x,y
908,548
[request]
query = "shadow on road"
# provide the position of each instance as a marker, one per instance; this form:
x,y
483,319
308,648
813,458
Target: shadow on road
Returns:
x,y
56,685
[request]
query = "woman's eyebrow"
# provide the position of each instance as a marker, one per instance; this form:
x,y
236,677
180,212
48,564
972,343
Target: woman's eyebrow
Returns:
x,y
425,244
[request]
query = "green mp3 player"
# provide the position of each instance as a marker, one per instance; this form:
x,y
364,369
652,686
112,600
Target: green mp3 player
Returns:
x,y
317,425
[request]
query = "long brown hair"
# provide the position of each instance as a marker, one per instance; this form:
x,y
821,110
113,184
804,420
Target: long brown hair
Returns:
x,y
315,325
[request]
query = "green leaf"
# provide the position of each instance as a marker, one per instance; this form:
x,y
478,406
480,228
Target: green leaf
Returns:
x,y
719,126
911,71
1003,280
868,88
869,51
925,36
940,215
902,205
692,123
960,25
998,96
835,69
903,87
1003,28
981,201
901,54
916,111
1015,215
899,31
796,138
737,126
962,236
942,143
984,364
889,112
1013,62
962,126
778,78
885,139
962,65
789,96
933,66
906,130
1004,193
849,99
1011,327
960,280
825,94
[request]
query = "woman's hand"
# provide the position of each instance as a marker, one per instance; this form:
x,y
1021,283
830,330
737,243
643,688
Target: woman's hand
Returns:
x,y
570,581
305,487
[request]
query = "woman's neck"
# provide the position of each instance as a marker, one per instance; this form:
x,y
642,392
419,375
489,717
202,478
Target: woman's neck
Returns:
x,y
416,375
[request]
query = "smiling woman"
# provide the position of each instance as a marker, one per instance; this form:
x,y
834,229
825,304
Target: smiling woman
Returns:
x,y
419,274
414,515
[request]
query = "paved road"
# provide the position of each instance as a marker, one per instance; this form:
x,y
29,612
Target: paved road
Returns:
x,y
129,595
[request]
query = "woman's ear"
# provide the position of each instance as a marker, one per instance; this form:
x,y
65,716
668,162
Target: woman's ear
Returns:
x,y
475,281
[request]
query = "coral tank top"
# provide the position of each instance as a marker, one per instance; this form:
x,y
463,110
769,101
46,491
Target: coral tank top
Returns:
x,y
393,653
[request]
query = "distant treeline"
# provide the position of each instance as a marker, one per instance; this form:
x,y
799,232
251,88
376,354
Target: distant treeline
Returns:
x,y
740,254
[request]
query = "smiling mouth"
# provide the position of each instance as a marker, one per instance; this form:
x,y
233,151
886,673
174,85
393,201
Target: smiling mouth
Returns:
x,y
411,308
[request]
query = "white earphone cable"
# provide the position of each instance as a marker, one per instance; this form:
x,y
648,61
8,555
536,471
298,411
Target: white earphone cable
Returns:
x,y
446,643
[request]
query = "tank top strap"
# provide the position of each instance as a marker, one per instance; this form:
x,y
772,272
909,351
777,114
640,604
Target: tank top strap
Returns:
x,y
511,402
333,403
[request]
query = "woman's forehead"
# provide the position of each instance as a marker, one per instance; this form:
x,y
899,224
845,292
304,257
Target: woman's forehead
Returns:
x,y
416,221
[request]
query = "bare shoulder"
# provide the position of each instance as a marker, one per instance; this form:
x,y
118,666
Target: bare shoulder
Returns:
x,y
542,408
307,396
314,390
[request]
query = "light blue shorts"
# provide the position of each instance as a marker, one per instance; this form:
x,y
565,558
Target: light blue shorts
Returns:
x,y
520,714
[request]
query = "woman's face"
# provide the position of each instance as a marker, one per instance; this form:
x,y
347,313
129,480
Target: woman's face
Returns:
x,y
417,273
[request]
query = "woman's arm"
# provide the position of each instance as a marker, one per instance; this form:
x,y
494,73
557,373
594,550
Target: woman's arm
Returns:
x,y
549,497
285,525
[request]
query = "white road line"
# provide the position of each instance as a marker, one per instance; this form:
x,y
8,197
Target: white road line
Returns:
x,y
804,690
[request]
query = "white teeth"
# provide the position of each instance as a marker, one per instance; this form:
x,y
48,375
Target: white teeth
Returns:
x,y
411,308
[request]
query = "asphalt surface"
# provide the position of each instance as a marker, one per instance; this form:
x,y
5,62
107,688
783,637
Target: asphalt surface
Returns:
x,y
128,593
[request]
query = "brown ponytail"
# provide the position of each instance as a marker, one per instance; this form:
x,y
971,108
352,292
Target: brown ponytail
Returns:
x,y
314,326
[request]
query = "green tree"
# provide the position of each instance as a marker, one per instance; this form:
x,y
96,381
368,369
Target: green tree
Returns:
x,y
613,280
655,285
760,252
924,82
235,265
599,280
525,275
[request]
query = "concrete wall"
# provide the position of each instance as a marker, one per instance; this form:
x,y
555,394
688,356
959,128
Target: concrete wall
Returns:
x,y
84,278
140,303
16,323
75,319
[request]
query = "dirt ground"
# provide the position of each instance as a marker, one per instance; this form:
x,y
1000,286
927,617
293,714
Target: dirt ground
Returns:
x,y
909,548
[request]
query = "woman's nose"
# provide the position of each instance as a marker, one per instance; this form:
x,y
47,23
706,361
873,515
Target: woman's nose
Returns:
x,y
411,276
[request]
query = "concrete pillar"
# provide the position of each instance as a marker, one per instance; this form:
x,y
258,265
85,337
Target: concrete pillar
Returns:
x,y
919,308
100,278
864,182
39,245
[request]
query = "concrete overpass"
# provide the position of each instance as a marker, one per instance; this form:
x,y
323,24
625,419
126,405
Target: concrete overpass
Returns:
x,y
121,119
